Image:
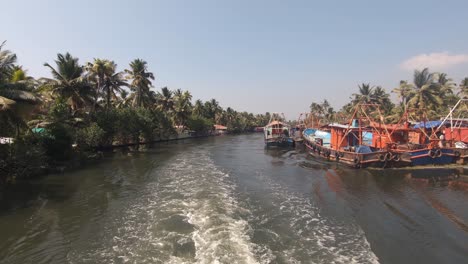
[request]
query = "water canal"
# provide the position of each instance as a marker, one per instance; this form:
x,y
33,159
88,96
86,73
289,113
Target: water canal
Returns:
x,y
228,200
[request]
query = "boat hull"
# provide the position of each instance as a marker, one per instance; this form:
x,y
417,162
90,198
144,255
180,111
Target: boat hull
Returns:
x,y
461,156
426,156
378,159
285,142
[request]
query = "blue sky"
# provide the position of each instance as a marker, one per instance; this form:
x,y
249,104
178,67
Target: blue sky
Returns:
x,y
255,56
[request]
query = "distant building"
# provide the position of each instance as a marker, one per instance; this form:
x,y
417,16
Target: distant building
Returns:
x,y
220,129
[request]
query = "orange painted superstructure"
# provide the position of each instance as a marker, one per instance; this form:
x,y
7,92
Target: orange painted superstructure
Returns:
x,y
457,134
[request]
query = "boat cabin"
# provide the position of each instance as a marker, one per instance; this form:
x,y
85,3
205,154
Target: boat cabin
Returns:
x,y
276,129
346,137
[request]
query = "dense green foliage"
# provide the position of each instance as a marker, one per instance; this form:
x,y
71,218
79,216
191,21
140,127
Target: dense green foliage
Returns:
x,y
86,107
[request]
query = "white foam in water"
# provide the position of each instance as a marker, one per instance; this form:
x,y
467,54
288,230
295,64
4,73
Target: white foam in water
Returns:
x,y
188,215
316,238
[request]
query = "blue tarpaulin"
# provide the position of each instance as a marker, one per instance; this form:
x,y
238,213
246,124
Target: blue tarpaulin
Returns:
x,y
428,124
363,149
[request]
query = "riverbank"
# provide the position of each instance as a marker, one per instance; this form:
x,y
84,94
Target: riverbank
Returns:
x,y
20,167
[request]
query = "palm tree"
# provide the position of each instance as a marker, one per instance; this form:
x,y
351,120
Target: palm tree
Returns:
x,y
403,91
463,88
141,83
68,82
365,95
98,71
446,88
382,98
7,61
113,84
16,97
213,110
446,84
107,80
182,107
165,100
198,108
425,93
17,101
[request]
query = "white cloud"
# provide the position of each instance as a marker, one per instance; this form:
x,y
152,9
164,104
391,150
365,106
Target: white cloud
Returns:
x,y
434,61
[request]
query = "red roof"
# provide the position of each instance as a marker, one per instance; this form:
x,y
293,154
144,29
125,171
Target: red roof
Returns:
x,y
220,127
276,123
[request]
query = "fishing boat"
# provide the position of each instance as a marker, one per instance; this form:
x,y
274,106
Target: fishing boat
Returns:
x,y
351,143
456,130
296,131
411,145
417,144
277,132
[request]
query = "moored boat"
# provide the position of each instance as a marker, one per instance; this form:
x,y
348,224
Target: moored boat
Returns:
x,y
351,143
347,145
277,132
411,145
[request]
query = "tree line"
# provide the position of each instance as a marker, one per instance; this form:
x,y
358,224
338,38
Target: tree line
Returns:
x,y
87,106
429,96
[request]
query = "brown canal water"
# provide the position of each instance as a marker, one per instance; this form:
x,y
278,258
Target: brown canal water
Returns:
x,y
228,200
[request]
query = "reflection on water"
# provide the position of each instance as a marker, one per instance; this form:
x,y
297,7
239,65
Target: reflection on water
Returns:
x,y
230,200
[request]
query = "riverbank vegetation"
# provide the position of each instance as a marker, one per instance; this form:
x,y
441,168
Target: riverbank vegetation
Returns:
x,y
86,107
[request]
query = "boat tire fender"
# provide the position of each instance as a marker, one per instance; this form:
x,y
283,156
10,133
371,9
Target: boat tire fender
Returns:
x,y
456,153
382,157
396,158
388,156
432,153
356,161
438,153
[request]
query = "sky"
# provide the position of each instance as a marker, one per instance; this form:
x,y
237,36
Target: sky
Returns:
x,y
251,55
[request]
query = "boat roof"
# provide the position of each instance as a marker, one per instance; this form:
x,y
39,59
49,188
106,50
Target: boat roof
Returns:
x,y
276,122
428,124
344,126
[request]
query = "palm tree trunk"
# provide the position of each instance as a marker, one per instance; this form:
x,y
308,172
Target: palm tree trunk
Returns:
x,y
98,86
108,98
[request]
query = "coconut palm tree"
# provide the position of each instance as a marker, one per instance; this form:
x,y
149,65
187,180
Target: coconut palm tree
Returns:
x,y
446,88
198,108
98,71
382,98
425,93
212,110
365,95
182,107
107,80
141,83
112,85
463,88
16,97
17,101
403,91
446,84
7,62
68,82
165,100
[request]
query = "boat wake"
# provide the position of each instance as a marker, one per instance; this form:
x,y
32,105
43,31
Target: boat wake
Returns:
x,y
188,215
301,234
